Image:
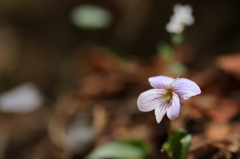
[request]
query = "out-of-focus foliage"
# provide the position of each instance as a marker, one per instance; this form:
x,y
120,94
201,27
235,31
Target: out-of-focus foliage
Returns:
x,y
121,149
165,50
178,68
177,39
89,16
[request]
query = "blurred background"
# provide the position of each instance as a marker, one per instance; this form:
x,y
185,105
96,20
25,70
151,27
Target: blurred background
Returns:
x,y
71,72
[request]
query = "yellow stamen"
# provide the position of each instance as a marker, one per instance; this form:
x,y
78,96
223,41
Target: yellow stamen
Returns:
x,y
168,95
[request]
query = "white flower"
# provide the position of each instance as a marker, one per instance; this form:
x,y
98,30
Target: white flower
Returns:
x,y
182,16
166,96
174,27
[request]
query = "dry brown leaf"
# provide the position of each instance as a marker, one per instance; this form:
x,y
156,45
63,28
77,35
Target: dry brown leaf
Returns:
x,y
229,63
224,110
218,131
99,59
208,149
100,118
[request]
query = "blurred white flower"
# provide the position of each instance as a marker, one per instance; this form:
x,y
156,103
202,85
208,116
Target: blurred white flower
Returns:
x,y
173,27
21,99
182,16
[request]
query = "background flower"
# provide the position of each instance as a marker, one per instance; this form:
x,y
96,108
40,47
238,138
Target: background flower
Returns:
x,y
182,16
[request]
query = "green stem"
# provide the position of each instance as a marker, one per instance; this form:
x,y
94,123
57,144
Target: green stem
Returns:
x,y
169,129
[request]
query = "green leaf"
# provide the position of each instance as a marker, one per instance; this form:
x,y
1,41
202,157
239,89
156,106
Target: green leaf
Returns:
x,y
174,144
178,144
89,16
177,39
165,50
133,149
178,68
185,141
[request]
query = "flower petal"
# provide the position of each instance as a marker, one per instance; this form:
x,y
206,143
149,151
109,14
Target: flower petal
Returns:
x,y
174,110
174,27
185,88
150,99
161,110
177,8
160,82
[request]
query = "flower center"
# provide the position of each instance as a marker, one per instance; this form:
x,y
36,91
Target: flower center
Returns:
x,y
168,95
